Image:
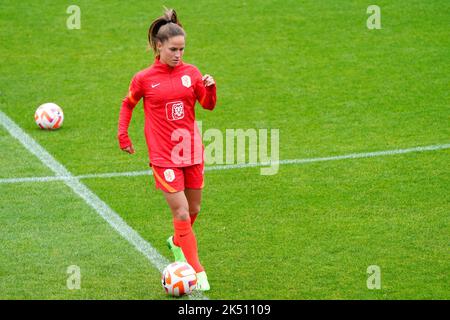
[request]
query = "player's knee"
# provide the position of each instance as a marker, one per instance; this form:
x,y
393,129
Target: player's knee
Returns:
x,y
181,213
193,210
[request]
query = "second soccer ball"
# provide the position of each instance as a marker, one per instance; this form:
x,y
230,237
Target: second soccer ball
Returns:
x,y
49,116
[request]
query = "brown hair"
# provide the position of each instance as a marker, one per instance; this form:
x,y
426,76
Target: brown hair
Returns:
x,y
164,28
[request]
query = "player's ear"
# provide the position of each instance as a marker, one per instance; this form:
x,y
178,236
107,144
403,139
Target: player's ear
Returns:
x,y
159,45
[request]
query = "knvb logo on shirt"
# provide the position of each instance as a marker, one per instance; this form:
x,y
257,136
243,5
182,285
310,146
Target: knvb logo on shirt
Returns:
x,y
175,110
186,81
169,175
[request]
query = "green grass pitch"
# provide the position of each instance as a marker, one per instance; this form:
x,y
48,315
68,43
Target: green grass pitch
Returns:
x,y
311,69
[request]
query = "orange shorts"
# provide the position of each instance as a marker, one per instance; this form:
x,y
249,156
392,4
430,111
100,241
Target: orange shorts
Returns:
x,y
174,179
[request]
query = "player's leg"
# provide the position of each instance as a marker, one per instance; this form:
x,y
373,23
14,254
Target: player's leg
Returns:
x,y
170,180
178,209
193,182
184,236
194,198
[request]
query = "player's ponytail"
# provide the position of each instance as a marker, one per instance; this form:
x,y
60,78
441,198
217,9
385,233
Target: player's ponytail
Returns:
x,y
164,28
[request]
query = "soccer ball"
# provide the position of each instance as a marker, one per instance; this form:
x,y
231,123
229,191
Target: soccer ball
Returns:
x,y
49,116
178,279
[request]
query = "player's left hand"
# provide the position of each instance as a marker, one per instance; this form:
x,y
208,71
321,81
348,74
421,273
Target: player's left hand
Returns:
x,y
208,80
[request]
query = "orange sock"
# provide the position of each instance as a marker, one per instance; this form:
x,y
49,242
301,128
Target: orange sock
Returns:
x,y
193,217
185,238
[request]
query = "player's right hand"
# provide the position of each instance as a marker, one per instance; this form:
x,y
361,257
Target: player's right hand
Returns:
x,y
129,149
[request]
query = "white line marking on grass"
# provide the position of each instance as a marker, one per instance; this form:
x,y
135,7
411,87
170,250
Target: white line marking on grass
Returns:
x,y
235,166
31,179
116,174
83,176
88,196
367,154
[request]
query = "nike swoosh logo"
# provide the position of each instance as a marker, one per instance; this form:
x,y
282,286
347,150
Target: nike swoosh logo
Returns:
x,y
155,85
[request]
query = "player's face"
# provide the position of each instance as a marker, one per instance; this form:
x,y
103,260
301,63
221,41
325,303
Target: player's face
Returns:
x,y
171,51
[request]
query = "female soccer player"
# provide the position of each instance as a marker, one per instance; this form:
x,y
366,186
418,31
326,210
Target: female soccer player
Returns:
x,y
170,89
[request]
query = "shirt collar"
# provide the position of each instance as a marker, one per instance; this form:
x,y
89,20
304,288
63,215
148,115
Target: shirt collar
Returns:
x,y
158,64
